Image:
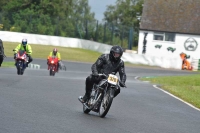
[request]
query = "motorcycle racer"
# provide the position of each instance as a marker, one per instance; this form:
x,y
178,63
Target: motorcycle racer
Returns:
x,y
26,47
106,63
56,54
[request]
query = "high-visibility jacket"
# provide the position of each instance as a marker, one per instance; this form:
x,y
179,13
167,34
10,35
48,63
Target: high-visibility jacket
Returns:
x,y
26,48
57,55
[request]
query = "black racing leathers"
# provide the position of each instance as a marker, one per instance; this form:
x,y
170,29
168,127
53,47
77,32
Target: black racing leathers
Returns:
x,y
2,55
105,64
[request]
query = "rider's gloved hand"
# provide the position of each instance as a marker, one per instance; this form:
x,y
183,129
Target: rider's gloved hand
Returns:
x,y
122,84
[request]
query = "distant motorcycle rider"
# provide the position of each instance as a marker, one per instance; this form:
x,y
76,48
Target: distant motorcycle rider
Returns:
x,y
26,47
2,55
56,54
106,64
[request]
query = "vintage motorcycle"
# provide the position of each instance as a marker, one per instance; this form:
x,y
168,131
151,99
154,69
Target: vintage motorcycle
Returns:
x,y
102,95
20,61
53,65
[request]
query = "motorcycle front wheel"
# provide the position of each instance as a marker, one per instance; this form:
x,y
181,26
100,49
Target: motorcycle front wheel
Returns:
x,y
105,105
20,71
51,72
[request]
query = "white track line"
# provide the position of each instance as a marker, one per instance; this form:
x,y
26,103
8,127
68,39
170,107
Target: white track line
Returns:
x,y
136,78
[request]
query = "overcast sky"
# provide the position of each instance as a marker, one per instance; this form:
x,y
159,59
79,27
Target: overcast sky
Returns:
x,y
99,7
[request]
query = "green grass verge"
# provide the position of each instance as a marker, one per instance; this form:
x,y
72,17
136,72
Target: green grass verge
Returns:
x,y
69,54
184,87
7,64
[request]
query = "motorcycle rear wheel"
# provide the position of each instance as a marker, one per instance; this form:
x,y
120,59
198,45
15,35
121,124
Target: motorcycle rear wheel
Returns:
x,y
86,110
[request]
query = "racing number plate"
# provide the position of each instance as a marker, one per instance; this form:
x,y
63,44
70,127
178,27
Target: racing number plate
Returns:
x,y
112,79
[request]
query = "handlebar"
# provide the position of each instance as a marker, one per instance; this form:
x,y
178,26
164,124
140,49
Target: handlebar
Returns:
x,y
103,75
106,76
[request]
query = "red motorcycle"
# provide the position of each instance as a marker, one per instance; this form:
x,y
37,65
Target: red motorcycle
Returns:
x,y
20,61
52,65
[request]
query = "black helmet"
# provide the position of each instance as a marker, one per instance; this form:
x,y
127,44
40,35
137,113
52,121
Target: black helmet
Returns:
x,y
116,53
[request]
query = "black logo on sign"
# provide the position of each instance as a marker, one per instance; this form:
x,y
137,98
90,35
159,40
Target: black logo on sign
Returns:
x,y
190,44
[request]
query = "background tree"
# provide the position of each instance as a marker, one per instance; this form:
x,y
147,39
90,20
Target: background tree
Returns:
x,y
84,18
123,15
71,18
50,17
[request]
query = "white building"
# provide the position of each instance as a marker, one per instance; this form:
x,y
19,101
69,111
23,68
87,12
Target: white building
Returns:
x,y
171,27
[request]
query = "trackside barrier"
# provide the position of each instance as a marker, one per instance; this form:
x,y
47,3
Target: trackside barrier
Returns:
x,y
164,61
195,64
33,66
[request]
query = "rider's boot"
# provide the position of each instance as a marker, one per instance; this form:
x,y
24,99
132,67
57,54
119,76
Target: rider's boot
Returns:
x,y
86,97
88,89
27,64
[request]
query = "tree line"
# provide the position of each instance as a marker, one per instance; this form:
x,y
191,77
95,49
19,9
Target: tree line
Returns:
x,y
73,18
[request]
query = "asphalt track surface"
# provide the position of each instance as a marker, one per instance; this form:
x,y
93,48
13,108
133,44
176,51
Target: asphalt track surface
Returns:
x,y
38,103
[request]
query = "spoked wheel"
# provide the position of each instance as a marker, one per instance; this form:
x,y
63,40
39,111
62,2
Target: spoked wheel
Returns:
x,y
85,109
105,105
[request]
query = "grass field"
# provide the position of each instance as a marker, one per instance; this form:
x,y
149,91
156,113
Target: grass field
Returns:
x,y
184,87
7,64
69,54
